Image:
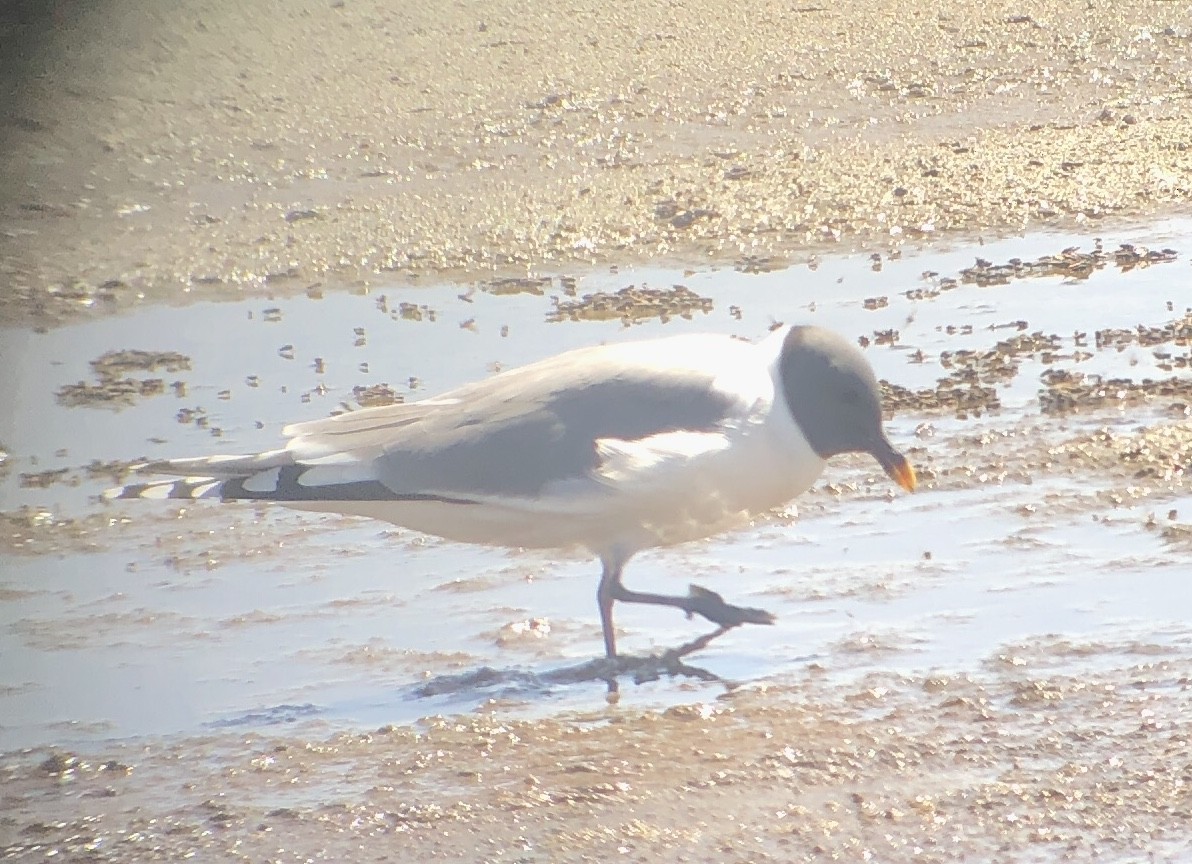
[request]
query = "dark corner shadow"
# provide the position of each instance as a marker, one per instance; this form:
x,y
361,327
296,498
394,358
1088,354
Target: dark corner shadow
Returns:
x,y
31,52
609,670
28,38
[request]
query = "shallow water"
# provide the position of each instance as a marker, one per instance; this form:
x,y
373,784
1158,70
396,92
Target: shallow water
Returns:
x,y
162,618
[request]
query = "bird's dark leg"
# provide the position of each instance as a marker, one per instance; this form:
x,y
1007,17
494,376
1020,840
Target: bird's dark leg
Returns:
x,y
698,601
610,581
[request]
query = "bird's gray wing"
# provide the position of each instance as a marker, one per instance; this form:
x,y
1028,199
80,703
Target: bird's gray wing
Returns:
x,y
519,431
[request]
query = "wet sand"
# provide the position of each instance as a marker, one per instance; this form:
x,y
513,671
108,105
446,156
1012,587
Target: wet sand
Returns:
x,y
1022,765
207,153
207,149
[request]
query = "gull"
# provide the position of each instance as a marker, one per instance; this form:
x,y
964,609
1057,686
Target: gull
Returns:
x,y
614,448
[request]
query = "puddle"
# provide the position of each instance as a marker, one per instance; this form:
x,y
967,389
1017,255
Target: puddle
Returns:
x,y
147,618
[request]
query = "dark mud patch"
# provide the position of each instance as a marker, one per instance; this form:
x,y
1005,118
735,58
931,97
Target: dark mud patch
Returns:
x,y
374,395
1176,332
536,285
761,263
113,364
1161,453
1070,263
961,398
112,471
632,304
1066,392
971,387
1179,536
41,531
1111,467
115,388
109,392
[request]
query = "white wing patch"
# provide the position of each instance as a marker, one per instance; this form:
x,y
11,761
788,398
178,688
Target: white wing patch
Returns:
x,y
624,462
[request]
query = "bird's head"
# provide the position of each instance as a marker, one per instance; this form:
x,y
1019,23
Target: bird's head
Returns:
x,y
832,393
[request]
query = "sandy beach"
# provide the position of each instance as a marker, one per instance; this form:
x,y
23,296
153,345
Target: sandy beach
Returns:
x,y
154,154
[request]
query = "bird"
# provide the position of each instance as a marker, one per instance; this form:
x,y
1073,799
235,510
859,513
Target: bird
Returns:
x,y
613,448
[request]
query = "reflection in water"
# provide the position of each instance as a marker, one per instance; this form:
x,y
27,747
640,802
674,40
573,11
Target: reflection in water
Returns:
x,y
489,682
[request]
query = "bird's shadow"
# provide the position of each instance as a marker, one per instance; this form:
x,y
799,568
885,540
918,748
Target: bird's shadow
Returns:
x,y
520,683
491,682
609,670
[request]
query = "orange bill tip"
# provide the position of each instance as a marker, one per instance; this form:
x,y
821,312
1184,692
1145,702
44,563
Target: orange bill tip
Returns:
x,y
903,474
